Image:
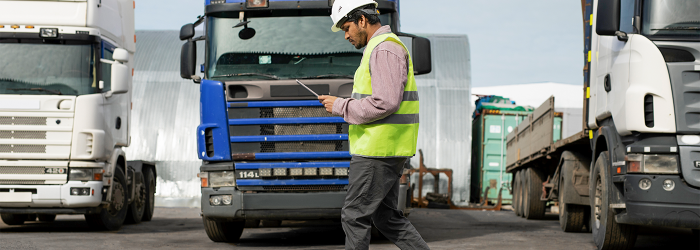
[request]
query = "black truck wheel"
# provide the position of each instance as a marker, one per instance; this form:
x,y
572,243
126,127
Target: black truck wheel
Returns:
x,y
150,185
136,209
534,209
13,219
571,216
47,217
112,217
607,233
523,192
223,231
516,192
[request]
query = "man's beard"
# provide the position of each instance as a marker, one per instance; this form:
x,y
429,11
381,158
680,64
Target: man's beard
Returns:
x,y
362,42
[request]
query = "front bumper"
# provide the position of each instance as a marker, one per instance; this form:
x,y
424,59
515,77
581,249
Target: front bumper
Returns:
x,y
274,206
678,208
54,196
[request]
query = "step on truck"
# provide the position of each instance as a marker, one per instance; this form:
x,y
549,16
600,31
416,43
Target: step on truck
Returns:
x,y
269,149
637,160
66,69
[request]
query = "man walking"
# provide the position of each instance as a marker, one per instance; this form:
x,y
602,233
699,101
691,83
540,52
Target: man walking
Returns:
x,y
383,118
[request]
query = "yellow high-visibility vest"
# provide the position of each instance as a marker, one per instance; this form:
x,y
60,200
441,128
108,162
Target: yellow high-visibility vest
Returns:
x,y
395,135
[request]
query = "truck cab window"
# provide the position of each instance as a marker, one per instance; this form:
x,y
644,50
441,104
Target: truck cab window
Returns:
x,y
38,67
627,16
107,53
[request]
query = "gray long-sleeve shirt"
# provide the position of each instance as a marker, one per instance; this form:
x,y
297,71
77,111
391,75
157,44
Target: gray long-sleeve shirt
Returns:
x,y
388,65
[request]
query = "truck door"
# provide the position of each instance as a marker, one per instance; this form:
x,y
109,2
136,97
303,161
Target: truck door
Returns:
x,y
117,106
612,60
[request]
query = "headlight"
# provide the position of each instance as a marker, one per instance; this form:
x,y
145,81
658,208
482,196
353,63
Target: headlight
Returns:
x,y
220,200
652,164
48,32
222,179
85,174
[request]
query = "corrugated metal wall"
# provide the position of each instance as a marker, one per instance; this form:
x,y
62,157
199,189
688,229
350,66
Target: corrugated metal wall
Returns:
x,y
445,117
166,114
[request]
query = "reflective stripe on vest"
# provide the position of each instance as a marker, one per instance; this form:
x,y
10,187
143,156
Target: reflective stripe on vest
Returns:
x,y
396,134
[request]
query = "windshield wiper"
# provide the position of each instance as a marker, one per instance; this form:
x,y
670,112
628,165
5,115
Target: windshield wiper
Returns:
x,y
274,77
330,76
680,28
55,92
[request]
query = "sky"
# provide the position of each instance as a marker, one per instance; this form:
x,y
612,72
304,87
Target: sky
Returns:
x,y
511,41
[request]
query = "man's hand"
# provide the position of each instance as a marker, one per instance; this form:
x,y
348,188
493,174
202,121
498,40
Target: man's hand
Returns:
x,y
327,102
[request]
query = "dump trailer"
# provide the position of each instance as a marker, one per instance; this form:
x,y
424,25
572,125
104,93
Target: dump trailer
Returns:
x,y
269,149
636,161
65,105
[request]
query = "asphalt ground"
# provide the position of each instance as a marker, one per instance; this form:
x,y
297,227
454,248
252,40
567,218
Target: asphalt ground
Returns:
x,y
442,229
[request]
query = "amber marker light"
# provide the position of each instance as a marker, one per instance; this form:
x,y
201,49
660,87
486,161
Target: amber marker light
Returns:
x,y
15,26
2,26
29,26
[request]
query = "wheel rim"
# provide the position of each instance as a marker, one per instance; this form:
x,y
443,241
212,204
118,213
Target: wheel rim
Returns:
x,y
598,201
141,198
117,199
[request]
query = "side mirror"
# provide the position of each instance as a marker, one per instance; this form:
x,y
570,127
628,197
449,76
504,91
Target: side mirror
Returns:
x,y
608,17
188,59
120,55
420,53
120,78
187,32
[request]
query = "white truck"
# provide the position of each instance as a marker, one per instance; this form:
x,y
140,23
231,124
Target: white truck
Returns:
x,y
65,77
636,162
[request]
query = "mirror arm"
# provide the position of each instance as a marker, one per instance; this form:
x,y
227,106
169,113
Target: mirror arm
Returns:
x,y
196,79
622,36
199,21
199,38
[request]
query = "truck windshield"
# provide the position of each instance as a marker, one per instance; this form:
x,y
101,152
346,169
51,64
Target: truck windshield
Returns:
x,y
46,69
282,48
671,19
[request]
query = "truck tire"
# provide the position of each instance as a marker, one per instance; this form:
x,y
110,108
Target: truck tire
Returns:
x,y
571,216
516,193
223,231
47,217
607,233
523,193
112,217
150,181
13,219
136,209
534,210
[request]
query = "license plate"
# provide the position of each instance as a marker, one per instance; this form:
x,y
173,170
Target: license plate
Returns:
x,y
16,197
247,174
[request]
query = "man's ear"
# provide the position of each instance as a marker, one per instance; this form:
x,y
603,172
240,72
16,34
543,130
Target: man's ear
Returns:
x,y
362,22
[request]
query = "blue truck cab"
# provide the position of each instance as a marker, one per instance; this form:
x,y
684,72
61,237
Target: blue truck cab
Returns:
x,y
269,149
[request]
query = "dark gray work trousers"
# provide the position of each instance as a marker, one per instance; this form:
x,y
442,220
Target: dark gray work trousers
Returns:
x,y
373,196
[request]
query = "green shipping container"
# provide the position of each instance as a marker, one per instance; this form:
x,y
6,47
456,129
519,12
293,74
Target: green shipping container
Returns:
x,y
489,131
494,118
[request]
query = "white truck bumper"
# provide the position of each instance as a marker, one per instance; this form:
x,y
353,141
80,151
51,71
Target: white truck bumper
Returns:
x,y
50,196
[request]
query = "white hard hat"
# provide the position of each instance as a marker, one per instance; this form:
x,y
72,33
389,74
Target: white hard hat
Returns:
x,y
341,8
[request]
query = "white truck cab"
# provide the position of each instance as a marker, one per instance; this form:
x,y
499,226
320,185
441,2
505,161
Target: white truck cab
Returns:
x,y
66,70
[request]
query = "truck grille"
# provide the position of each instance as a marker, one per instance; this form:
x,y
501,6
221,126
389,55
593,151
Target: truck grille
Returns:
x,y
9,134
33,149
318,188
22,182
22,170
19,120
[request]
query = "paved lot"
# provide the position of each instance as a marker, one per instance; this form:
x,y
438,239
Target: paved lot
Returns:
x,y
442,229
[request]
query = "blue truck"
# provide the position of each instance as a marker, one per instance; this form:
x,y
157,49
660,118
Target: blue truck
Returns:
x,y
269,149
